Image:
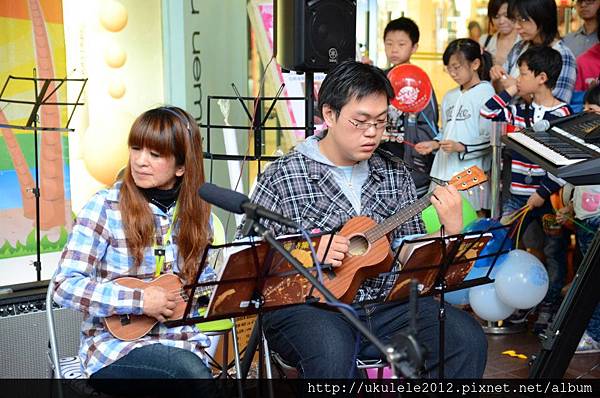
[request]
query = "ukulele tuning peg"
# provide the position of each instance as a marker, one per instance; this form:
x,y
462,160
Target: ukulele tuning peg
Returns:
x,y
470,192
482,188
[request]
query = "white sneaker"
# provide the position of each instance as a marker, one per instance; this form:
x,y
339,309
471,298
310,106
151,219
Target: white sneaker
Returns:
x,y
587,345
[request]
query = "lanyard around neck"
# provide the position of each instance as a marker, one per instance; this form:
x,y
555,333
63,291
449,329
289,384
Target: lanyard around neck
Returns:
x,y
159,251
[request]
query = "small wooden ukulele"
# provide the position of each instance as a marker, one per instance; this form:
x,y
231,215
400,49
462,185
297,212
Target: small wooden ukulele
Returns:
x,y
370,253
130,327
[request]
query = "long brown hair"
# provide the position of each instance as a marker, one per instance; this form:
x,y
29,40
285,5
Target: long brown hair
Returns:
x,y
169,131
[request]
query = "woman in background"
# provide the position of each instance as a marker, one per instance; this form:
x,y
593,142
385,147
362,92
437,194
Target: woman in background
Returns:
x,y
506,36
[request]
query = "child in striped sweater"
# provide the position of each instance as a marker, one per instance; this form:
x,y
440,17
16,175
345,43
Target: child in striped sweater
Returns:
x,y
530,184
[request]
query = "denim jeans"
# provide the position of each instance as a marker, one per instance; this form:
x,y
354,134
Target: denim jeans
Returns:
x,y
584,238
321,343
157,361
554,248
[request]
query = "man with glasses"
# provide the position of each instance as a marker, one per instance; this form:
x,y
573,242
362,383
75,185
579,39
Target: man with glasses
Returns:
x,y
321,184
585,37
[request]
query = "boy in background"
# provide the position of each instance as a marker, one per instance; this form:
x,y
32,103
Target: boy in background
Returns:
x,y
401,39
530,185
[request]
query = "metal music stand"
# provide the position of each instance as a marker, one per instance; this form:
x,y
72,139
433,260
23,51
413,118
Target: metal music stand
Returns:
x,y
258,126
254,278
574,313
45,90
440,265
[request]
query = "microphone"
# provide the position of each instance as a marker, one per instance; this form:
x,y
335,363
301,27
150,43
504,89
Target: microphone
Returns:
x,y
544,125
239,203
541,125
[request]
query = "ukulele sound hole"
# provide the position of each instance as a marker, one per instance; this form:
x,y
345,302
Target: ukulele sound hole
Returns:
x,y
358,245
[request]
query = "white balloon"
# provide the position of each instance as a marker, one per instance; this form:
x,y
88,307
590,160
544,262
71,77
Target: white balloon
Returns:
x,y
487,305
522,280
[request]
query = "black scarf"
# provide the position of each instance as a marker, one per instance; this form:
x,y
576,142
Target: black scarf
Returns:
x,y
163,198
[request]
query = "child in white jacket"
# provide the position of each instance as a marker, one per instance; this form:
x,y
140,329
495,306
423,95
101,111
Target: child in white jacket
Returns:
x,y
464,140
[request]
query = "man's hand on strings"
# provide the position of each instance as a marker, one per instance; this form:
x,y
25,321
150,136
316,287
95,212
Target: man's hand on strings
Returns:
x,y
448,204
337,251
159,303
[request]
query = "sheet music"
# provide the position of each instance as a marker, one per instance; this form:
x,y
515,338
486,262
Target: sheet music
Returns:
x,y
218,257
422,260
408,248
253,275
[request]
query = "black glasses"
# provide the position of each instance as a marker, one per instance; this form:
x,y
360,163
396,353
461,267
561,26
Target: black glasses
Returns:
x,y
364,126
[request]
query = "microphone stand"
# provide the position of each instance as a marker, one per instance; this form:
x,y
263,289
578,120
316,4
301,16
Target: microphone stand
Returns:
x,y
394,357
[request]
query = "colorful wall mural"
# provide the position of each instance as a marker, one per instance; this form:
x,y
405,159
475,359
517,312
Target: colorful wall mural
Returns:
x,y
32,45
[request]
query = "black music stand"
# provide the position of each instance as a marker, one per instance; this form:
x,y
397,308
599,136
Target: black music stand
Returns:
x,y
249,281
574,313
254,279
43,97
440,264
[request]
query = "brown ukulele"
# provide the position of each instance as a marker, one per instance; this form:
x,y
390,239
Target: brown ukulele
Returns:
x,y
369,254
129,327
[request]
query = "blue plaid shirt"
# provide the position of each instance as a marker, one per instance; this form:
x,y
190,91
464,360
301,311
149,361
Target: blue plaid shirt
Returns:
x,y
95,255
566,80
305,191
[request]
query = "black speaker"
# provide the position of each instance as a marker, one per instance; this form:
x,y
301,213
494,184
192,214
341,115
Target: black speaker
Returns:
x,y
315,35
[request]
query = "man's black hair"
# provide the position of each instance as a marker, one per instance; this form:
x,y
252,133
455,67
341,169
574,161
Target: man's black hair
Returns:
x,y
352,79
543,59
403,24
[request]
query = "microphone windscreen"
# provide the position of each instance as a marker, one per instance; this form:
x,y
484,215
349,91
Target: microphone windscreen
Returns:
x,y
541,125
224,198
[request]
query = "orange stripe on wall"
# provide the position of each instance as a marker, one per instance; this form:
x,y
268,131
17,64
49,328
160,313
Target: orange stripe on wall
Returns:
x,y
18,9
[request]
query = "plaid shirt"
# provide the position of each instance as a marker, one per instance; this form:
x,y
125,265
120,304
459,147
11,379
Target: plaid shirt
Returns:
x,y
566,80
95,255
305,191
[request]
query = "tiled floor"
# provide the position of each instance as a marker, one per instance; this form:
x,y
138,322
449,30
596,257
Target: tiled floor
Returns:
x,y
501,366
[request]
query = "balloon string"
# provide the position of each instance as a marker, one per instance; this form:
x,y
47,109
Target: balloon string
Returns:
x,y
581,225
431,126
512,217
522,218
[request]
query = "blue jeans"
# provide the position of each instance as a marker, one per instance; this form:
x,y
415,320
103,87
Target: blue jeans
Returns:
x,y
584,238
157,361
321,343
555,247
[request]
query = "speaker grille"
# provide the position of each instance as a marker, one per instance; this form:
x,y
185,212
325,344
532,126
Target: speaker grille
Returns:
x,y
315,35
24,342
332,28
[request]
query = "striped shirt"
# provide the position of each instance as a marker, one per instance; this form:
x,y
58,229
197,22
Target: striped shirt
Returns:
x,y
95,255
306,191
526,177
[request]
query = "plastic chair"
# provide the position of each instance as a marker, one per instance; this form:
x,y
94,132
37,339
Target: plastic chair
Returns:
x,y
222,328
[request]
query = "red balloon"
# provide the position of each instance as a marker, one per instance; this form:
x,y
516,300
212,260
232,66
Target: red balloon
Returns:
x,y
412,88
